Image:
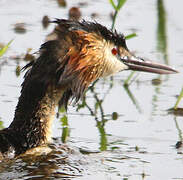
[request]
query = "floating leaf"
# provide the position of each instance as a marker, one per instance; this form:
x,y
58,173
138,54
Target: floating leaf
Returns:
x,y
114,115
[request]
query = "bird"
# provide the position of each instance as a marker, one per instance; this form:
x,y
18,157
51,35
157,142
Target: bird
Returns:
x,y
75,55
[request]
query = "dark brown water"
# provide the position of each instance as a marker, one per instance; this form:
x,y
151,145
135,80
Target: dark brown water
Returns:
x,y
122,133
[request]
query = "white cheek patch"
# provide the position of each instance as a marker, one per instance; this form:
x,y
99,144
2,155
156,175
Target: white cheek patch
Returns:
x,y
112,63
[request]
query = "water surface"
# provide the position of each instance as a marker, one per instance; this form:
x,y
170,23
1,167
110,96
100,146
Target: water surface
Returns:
x,y
140,142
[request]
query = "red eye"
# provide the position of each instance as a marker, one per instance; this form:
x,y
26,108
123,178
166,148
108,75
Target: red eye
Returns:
x,y
114,51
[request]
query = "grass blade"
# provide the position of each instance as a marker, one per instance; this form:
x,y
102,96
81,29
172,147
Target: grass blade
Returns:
x,y
129,78
120,4
4,49
130,36
179,98
113,5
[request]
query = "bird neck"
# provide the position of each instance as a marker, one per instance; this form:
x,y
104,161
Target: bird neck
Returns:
x,y
35,112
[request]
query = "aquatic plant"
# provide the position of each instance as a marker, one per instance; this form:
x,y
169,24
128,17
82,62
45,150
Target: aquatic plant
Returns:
x,y
5,48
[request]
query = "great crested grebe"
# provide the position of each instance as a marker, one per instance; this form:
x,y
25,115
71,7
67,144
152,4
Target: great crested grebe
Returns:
x,y
77,54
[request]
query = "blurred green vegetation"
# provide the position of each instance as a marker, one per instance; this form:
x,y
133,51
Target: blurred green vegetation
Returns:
x,y
161,30
178,99
96,110
1,124
117,9
5,48
161,47
65,128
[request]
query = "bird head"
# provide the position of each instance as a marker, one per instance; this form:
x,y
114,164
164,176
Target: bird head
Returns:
x,y
85,51
101,52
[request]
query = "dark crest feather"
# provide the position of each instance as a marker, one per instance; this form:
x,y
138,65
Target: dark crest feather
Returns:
x,y
117,38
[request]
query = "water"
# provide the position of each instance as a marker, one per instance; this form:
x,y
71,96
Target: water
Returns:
x,y
140,143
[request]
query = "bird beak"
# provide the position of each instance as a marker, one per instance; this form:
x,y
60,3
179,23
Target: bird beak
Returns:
x,y
139,64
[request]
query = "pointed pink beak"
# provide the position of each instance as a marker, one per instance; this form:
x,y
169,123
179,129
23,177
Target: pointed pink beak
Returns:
x,y
139,64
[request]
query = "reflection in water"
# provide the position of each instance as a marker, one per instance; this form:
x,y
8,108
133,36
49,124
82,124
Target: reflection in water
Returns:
x,y
61,162
161,47
179,131
2,63
96,111
65,128
128,162
103,138
155,101
132,98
